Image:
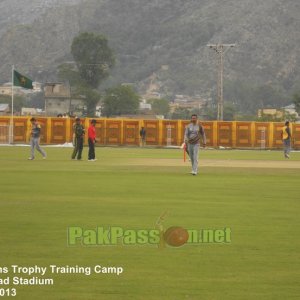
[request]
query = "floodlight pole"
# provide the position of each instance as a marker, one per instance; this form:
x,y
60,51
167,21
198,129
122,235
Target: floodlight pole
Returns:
x,y
220,50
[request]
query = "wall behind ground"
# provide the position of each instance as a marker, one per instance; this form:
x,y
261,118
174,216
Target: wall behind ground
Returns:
x,y
117,132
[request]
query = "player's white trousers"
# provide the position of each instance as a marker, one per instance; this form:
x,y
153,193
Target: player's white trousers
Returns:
x,y
35,143
194,153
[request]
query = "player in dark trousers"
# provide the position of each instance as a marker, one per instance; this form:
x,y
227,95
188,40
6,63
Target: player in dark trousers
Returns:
x,y
35,139
92,140
143,136
78,133
286,138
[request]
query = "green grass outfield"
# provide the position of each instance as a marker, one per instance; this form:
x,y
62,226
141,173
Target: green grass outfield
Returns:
x,y
40,199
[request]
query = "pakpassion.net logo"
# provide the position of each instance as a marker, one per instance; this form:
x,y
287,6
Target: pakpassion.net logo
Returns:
x,y
174,236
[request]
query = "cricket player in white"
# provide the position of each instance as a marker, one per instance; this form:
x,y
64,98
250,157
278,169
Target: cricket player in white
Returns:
x,y
193,133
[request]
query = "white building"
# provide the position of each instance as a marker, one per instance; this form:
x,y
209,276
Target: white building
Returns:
x,y
144,105
4,109
58,100
291,109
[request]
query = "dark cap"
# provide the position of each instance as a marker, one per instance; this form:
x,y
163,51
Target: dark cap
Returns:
x,y
77,119
93,121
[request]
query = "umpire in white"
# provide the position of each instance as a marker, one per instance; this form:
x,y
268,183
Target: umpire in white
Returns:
x,y
193,133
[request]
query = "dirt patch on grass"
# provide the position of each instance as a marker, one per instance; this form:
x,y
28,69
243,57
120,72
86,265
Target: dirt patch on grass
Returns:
x,y
286,164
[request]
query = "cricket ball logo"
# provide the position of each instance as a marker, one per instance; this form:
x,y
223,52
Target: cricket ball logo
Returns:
x,y
174,236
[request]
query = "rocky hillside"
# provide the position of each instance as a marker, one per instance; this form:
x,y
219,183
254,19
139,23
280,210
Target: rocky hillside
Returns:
x,y
13,12
165,37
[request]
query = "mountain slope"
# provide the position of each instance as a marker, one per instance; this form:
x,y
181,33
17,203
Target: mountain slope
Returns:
x,y
26,11
148,34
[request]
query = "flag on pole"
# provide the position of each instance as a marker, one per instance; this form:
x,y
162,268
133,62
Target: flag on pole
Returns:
x,y
22,81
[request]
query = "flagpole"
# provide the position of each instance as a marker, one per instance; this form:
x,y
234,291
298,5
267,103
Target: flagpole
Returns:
x,y
12,105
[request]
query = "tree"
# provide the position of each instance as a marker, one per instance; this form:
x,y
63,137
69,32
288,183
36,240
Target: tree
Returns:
x,y
269,95
68,72
93,57
296,101
185,113
229,112
242,94
248,98
120,100
181,114
91,97
210,113
160,106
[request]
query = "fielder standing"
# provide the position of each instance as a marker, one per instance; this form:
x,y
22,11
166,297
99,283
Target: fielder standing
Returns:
x,y
78,131
286,139
193,133
35,139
